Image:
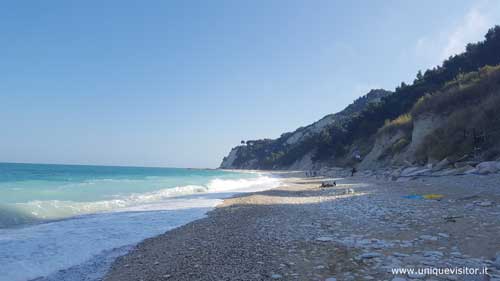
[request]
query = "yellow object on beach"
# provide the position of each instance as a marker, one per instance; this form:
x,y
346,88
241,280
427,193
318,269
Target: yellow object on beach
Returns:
x,y
433,196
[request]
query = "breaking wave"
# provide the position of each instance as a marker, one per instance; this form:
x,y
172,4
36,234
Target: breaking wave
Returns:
x,y
42,210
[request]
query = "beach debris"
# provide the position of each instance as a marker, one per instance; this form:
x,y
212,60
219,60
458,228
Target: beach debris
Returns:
x,y
433,196
452,218
424,196
412,196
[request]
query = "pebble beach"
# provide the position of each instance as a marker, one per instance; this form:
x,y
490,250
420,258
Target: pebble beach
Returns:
x,y
362,229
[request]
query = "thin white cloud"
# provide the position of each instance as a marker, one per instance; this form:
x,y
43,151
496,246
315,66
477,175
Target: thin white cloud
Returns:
x,y
472,29
452,40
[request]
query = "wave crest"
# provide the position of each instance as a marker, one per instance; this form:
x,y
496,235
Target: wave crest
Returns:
x,y
58,209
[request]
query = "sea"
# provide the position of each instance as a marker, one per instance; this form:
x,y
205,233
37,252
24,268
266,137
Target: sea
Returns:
x,y
70,222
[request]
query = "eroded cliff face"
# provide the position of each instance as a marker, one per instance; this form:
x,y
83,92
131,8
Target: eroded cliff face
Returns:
x,y
423,126
400,148
378,155
228,161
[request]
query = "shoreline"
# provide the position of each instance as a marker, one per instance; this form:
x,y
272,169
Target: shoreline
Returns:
x,y
104,236
356,230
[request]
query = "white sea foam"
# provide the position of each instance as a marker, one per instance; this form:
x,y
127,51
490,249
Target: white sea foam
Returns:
x,y
57,209
44,249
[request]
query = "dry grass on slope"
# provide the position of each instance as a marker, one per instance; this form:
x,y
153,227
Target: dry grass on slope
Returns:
x,y
471,102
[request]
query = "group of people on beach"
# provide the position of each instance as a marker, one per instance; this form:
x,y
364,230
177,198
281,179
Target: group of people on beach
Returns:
x,y
315,173
311,174
328,184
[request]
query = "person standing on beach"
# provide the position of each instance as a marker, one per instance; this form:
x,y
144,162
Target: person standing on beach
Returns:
x,y
353,171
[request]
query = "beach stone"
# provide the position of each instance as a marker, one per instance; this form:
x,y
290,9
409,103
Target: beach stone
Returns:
x,y
409,171
404,179
369,255
419,172
428,237
398,279
461,164
276,276
444,235
331,279
442,165
432,254
448,172
416,276
484,203
487,167
471,171
463,170
319,267
496,262
325,239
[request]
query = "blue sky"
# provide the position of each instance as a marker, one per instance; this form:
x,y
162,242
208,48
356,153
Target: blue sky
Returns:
x,y
178,83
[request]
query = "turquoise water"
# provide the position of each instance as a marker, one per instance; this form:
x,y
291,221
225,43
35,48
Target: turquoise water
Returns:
x,y
68,222
34,192
20,183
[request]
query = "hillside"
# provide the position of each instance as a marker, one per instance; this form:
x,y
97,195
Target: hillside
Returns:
x,y
459,122
296,149
400,128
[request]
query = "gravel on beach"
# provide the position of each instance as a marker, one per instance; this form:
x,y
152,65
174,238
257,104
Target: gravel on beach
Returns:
x,y
359,230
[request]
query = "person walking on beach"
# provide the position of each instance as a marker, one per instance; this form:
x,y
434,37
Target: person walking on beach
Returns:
x,y
353,171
